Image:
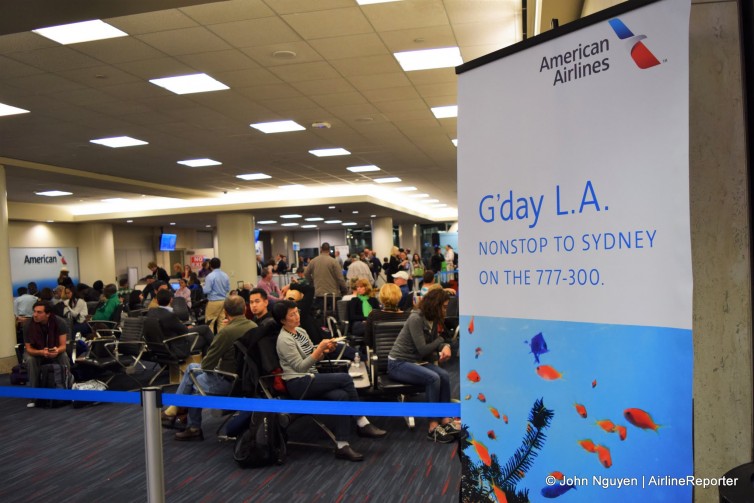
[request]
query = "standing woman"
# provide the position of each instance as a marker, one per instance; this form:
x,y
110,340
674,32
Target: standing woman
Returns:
x,y
187,272
298,357
412,360
394,263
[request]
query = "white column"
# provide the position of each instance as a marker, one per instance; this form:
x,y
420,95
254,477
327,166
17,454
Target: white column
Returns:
x,y
382,236
96,253
8,333
235,247
409,237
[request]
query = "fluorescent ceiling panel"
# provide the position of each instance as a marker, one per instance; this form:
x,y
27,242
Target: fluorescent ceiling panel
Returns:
x,y
455,142
405,189
390,179
309,226
198,163
53,193
329,152
265,222
363,169
291,215
333,221
429,58
114,200
253,176
314,219
349,224
189,84
419,195
278,127
289,224
445,112
85,31
119,142
9,110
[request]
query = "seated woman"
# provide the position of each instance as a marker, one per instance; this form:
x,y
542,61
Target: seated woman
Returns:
x,y
76,311
183,291
418,346
390,296
297,359
361,306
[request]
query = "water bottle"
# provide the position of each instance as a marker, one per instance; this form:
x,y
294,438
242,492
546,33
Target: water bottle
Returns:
x,y
357,360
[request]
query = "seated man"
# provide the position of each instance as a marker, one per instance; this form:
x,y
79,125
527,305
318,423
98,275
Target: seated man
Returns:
x,y
400,278
45,337
267,283
106,311
221,356
23,305
172,326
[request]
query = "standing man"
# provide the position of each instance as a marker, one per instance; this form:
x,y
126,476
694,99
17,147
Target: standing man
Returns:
x,y
450,256
45,336
158,273
216,287
359,269
325,274
435,263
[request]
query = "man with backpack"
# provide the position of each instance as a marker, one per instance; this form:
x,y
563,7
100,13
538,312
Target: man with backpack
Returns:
x,y
45,337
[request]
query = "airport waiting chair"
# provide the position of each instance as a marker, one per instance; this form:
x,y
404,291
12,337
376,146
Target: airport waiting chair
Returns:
x,y
166,353
181,309
113,356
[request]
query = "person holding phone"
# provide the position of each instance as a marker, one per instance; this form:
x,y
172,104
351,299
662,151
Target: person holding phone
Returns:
x,y
45,336
298,356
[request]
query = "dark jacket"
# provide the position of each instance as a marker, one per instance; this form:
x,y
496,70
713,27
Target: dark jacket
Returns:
x,y
169,322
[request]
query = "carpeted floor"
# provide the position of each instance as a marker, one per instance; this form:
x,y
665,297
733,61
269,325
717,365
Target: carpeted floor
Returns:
x,y
96,454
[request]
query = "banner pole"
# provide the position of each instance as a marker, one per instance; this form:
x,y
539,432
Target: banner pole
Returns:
x,y
151,402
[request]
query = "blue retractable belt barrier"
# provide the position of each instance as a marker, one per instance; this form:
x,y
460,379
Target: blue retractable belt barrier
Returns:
x,y
418,409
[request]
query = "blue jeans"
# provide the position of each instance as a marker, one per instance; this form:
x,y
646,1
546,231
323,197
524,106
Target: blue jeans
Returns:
x,y
436,380
211,384
337,387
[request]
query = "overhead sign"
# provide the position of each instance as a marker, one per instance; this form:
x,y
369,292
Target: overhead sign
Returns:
x,y
42,266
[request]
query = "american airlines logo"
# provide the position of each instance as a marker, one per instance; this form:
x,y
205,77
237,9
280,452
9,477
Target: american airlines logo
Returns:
x,y
641,55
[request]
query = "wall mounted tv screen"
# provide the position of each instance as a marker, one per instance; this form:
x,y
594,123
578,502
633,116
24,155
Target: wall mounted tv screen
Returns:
x,y
167,242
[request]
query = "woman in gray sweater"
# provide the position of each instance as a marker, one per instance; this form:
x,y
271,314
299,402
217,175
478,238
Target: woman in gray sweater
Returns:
x,y
412,360
298,357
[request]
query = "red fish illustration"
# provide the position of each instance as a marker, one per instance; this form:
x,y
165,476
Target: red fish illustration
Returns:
x,y
557,475
505,419
548,373
640,419
471,325
482,452
499,494
588,445
491,435
606,425
580,409
495,412
621,430
481,397
473,376
594,383
603,453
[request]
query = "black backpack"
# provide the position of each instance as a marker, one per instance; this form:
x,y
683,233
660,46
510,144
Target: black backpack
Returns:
x,y
55,376
263,444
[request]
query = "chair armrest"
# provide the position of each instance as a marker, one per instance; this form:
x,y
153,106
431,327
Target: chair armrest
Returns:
x,y
194,372
112,349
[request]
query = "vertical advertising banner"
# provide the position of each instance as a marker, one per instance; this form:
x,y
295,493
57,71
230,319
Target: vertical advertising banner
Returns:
x,y
42,266
576,344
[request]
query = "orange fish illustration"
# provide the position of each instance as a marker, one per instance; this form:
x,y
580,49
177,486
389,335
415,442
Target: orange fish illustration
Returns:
x,y
481,397
640,419
473,376
588,445
482,452
621,430
594,383
471,325
505,419
548,373
557,475
499,494
467,397
603,453
491,435
580,409
495,412
606,425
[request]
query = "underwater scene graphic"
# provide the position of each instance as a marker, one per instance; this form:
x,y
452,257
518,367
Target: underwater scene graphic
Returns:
x,y
575,411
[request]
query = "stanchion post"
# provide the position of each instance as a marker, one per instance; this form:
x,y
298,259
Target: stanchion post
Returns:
x,y
151,403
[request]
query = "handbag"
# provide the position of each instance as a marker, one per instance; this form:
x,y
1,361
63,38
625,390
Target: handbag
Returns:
x,y
418,272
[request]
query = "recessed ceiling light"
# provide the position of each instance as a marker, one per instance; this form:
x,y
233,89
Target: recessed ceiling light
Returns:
x,y
363,169
208,226
172,223
419,195
429,58
129,221
253,176
314,219
331,207
329,152
405,189
373,216
53,193
289,224
291,215
188,84
9,110
333,221
309,226
355,212
445,112
349,224
278,126
198,163
455,142
50,221
390,179
119,141
85,31
264,222
114,200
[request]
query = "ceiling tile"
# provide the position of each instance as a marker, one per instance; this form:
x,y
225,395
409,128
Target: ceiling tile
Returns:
x,y
369,65
399,115
55,58
493,12
405,15
139,24
481,33
99,76
223,12
416,39
391,94
329,23
439,75
264,55
246,78
43,84
156,68
305,71
269,91
185,41
218,61
119,50
327,100
289,6
441,89
253,32
12,68
382,81
284,105
391,106
352,46
324,86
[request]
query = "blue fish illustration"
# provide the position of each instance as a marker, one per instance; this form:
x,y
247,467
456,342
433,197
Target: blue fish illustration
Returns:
x,y
538,346
556,490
